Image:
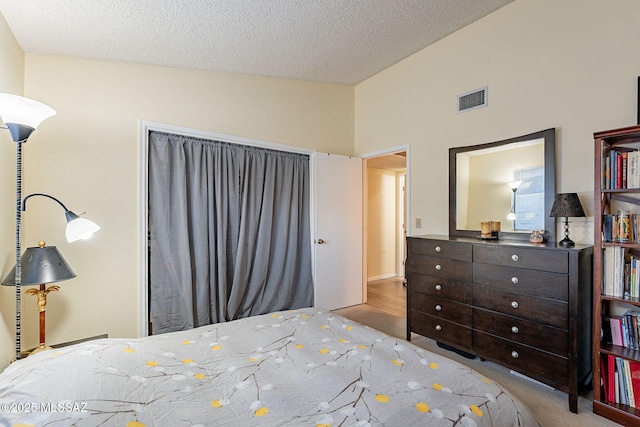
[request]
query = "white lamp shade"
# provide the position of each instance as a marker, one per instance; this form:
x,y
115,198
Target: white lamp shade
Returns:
x,y
80,228
514,184
23,111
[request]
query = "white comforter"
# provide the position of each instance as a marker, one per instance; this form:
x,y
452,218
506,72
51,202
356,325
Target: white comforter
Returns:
x,y
294,368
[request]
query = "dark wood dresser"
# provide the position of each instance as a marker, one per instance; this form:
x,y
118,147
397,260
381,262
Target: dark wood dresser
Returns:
x,y
526,307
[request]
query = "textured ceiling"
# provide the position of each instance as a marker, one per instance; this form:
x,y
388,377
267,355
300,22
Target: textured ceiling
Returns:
x,y
337,41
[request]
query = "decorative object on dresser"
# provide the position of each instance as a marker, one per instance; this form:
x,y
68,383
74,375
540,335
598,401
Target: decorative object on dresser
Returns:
x,y
567,205
41,265
526,307
616,287
536,236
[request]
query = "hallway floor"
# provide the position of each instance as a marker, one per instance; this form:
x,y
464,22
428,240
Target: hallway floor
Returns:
x,y
388,295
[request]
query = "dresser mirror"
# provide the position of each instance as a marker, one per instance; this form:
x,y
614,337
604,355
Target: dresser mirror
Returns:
x,y
511,181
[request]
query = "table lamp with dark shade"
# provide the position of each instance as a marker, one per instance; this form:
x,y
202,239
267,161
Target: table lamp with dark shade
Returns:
x,y
567,205
41,265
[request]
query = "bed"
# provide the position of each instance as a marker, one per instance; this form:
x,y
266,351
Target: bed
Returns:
x,y
292,368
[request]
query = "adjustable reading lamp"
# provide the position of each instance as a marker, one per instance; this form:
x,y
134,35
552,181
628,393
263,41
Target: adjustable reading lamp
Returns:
x,y
77,228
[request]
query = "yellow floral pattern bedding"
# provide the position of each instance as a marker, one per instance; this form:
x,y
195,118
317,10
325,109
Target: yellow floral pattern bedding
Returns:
x,y
305,367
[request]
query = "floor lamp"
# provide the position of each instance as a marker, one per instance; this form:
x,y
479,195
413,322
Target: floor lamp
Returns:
x,y
22,116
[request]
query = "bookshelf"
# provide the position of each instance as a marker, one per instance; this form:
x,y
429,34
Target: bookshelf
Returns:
x,y
616,189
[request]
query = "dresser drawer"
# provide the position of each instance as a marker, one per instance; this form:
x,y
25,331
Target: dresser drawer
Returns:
x,y
440,248
515,256
523,281
441,287
548,312
441,330
442,308
547,338
452,269
537,364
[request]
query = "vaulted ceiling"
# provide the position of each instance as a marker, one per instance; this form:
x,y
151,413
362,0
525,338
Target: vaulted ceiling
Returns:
x,y
336,41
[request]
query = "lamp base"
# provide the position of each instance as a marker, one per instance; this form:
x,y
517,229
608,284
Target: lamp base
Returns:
x,y
42,347
566,242
27,353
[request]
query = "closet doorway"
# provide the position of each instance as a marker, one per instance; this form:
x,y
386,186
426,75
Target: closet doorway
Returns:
x,y
386,212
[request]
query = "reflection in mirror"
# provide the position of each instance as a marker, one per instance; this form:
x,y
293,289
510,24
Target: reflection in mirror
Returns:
x,y
485,183
511,181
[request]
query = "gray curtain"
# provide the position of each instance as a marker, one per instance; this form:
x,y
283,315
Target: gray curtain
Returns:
x,y
229,231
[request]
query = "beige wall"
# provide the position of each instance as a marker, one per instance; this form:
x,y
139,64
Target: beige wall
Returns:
x,y
381,223
11,81
568,65
88,156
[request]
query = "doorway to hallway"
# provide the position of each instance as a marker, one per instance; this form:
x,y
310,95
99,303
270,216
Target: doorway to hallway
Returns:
x,y
385,232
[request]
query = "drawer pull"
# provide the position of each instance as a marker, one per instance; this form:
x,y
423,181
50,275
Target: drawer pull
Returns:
x,y
438,267
515,354
515,329
514,280
438,307
438,248
438,328
514,257
514,304
438,288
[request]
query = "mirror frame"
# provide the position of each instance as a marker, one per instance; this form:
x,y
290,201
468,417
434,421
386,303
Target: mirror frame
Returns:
x,y
549,136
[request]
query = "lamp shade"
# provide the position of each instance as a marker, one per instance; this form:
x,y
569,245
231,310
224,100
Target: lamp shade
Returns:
x,y
40,265
567,205
23,111
514,185
79,228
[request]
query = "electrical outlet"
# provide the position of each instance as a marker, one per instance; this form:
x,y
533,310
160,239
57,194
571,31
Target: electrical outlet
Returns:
x,y
418,222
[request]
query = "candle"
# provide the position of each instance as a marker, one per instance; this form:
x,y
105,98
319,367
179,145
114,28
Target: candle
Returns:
x,y
485,228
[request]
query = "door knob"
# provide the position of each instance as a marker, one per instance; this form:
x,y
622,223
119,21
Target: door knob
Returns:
x,y
319,241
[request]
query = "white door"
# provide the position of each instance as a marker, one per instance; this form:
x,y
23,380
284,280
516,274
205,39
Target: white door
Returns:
x,y
338,231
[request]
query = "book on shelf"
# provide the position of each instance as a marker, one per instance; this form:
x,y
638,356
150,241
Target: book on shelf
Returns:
x,y
621,170
611,228
635,381
624,330
627,382
605,336
607,227
620,273
611,382
621,380
633,171
616,330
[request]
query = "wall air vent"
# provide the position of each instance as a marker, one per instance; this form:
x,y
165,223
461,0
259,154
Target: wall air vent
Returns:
x,y
473,100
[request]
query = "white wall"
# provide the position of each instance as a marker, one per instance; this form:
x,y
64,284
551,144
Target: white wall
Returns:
x,y
571,65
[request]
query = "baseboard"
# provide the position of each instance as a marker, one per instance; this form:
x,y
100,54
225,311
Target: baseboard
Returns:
x,y
384,276
526,378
